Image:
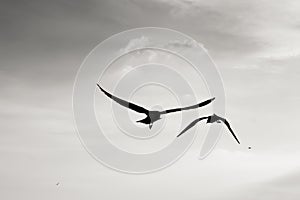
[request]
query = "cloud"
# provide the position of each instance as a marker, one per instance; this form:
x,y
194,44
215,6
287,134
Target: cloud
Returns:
x,y
274,64
143,42
136,43
246,67
224,27
151,54
184,44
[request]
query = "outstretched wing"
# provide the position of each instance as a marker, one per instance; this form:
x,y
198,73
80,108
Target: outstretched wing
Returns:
x,y
229,128
204,103
124,103
192,124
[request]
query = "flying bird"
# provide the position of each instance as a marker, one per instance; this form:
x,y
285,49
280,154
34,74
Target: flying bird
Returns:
x,y
210,119
152,115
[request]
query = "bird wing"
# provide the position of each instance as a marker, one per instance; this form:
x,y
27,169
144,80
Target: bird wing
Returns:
x,y
204,103
192,124
229,128
124,103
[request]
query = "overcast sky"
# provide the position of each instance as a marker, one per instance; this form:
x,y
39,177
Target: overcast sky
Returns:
x,y
256,45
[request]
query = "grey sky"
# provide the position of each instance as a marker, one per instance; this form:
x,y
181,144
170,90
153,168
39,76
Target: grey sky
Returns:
x,y
256,45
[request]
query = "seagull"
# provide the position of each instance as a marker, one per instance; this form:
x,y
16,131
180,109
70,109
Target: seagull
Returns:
x,y
152,115
210,119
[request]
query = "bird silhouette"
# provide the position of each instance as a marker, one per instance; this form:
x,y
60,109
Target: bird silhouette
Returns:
x,y
152,115
210,119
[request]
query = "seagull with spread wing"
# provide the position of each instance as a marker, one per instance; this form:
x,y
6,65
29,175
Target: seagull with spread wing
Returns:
x,y
152,115
210,119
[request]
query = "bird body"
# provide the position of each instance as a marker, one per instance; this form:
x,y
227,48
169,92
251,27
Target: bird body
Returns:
x,y
152,117
214,118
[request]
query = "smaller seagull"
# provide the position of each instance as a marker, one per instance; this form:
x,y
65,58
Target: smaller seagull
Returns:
x,y
210,119
57,183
